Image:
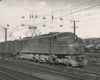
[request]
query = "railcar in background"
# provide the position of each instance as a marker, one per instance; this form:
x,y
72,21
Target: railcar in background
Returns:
x,y
95,48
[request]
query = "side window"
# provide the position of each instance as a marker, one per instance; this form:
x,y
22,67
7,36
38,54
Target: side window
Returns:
x,y
33,42
45,40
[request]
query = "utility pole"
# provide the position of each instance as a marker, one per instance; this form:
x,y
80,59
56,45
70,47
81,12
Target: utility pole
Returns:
x,y
50,51
6,33
74,27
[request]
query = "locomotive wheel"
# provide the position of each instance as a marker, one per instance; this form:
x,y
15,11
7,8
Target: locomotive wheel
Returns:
x,y
41,61
28,59
36,60
73,63
57,61
46,61
66,62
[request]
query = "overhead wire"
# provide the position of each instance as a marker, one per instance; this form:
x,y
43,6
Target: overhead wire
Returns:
x,y
75,12
81,17
16,5
67,8
53,11
19,25
85,15
57,10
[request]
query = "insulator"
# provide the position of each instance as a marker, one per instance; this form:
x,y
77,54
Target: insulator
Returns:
x,y
35,27
7,24
44,25
22,24
36,16
61,25
44,18
23,17
32,16
52,17
60,18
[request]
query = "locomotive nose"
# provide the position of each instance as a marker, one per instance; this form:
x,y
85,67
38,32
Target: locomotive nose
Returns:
x,y
78,46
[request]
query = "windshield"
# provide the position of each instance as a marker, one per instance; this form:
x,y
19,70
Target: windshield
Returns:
x,y
65,34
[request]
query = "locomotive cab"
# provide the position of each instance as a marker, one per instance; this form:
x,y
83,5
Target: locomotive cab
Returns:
x,y
74,49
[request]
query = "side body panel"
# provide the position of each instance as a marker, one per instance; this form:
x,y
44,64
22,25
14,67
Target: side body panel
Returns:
x,y
7,47
41,45
0,48
3,47
11,45
17,46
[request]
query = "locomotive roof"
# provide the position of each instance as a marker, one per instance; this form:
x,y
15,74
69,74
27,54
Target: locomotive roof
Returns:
x,y
50,35
6,41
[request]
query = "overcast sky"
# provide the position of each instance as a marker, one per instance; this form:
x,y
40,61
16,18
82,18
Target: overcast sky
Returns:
x,y
11,12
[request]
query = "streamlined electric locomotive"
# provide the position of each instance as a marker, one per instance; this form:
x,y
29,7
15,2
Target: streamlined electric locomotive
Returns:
x,y
55,47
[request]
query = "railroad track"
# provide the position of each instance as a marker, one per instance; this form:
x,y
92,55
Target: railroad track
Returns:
x,y
41,69
7,73
87,71
78,74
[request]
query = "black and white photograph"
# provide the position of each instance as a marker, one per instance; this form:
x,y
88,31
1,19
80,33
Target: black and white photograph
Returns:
x,y
49,40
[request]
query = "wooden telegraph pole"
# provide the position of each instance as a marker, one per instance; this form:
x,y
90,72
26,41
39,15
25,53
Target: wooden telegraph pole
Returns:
x,y
74,27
